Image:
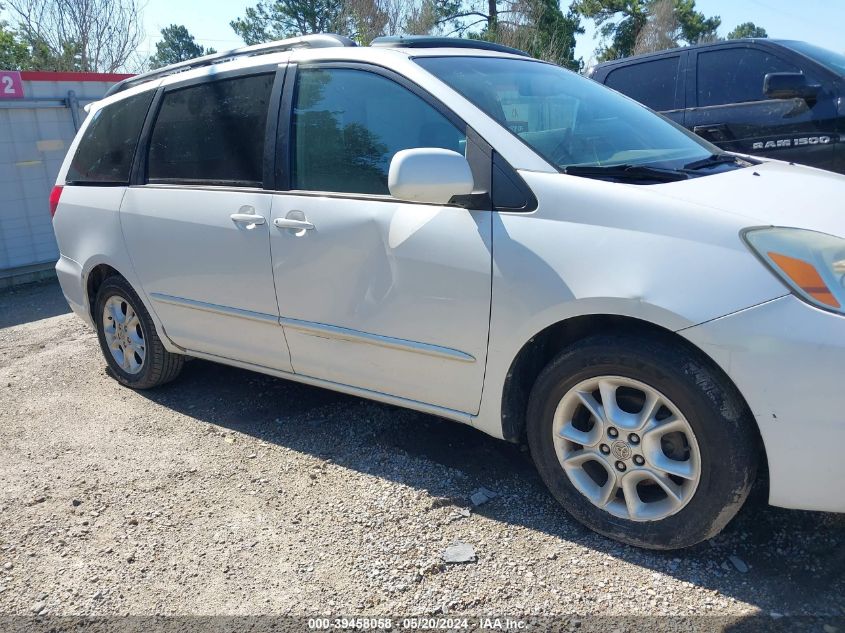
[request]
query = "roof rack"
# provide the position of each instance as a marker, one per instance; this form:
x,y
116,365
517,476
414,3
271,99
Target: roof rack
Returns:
x,y
320,40
427,41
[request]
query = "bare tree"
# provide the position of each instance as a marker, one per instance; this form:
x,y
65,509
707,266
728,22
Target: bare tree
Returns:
x,y
539,27
542,29
365,19
86,35
461,18
368,19
661,30
422,18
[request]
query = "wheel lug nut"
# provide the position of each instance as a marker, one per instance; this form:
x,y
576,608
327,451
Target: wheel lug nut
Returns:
x,y
612,432
633,438
638,460
620,466
604,448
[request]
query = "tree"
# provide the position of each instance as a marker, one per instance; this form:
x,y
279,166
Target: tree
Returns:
x,y
694,26
747,29
660,30
176,45
538,27
44,57
14,54
85,35
288,18
422,18
622,21
617,20
366,19
362,20
550,34
18,54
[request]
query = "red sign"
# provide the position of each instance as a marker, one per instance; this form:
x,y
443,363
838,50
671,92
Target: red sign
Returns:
x,y
11,86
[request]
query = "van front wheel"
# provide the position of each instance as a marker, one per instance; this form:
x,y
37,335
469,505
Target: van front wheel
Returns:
x,y
642,441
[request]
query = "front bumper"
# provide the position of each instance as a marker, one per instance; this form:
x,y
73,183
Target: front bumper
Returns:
x,y
788,361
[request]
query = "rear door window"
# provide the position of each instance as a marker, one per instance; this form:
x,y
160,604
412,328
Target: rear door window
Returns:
x,y
211,133
107,147
651,83
735,75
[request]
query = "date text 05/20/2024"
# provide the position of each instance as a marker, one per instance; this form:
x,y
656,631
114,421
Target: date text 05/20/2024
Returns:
x,y
418,623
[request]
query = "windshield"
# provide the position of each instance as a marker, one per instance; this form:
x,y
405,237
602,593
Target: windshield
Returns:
x,y
833,61
567,119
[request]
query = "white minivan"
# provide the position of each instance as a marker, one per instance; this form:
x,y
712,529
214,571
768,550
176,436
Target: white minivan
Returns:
x,y
451,226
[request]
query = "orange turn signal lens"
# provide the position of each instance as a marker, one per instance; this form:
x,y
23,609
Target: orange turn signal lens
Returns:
x,y
804,275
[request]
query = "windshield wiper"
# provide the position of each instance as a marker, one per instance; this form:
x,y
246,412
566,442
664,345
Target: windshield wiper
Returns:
x,y
626,173
711,161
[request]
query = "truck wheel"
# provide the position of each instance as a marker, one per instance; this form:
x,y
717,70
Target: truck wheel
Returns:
x,y
129,340
642,441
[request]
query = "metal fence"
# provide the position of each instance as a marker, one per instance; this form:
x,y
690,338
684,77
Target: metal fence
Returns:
x,y
40,113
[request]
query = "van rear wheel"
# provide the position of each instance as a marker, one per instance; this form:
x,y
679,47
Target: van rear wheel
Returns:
x,y
128,338
642,441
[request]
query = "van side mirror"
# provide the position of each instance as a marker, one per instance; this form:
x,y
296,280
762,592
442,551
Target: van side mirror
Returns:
x,y
429,174
789,86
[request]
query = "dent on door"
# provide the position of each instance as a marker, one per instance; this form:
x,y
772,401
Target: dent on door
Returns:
x,y
387,296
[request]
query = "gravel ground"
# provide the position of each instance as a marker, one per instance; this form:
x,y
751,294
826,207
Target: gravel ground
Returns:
x,y
229,492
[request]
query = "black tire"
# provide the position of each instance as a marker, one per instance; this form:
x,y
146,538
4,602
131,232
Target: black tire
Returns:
x,y
159,366
727,438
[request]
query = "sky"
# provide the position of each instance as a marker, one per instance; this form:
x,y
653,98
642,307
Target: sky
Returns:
x,y
816,21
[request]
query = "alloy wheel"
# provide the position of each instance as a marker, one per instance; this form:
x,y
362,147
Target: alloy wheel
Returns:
x,y
124,334
627,448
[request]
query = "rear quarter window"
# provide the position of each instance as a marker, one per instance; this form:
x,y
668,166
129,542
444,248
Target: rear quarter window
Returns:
x,y
107,147
651,83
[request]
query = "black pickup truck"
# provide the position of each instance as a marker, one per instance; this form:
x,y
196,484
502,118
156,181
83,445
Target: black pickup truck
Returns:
x,y
777,98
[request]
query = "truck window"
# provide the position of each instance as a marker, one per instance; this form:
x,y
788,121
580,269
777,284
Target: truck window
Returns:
x,y
735,75
107,147
651,83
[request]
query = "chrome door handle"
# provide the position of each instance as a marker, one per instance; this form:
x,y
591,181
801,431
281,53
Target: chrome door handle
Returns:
x,y
290,223
249,219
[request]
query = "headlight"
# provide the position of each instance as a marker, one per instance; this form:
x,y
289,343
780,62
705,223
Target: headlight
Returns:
x,y
811,263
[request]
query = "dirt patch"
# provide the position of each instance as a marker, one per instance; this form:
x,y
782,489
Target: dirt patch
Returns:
x,y
228,492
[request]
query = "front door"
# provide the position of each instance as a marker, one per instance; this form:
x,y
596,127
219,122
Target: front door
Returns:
x,y
197,227
388,296
733,113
